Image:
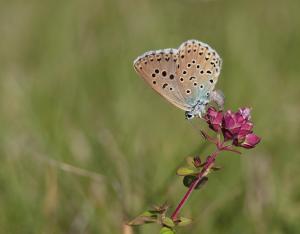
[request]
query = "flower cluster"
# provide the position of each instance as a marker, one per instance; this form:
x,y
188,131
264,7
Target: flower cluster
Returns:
x,y
234,126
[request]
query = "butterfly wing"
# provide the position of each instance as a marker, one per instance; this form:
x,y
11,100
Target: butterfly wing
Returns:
x,y
158,69
198,68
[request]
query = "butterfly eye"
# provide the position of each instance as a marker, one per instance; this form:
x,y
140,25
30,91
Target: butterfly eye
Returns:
x,y
188,115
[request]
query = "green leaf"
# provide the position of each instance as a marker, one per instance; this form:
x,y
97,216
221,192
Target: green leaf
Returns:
x,y
168,222
216,168
166,230
159,209
202,182
149,213
184,221
146,217
189,179
190,161
183,171
140,220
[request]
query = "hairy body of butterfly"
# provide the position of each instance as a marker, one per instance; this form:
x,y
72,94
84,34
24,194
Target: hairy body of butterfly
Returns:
x,y
186,76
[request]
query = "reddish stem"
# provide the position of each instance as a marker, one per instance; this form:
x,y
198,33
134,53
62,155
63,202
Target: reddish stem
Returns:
x,y
208,164
230,148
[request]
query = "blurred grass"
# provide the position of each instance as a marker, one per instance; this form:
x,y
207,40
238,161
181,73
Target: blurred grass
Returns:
x,y
69,95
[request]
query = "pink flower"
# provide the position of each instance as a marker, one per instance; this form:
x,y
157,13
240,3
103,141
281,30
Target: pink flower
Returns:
x,y
234,126
214,118
237,124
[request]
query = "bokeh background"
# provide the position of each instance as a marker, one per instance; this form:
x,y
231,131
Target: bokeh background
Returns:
x,y
85,145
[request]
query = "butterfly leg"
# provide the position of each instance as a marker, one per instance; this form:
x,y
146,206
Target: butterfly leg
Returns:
x,y
218,97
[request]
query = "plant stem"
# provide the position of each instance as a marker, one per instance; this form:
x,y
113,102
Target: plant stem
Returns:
x,y
208,164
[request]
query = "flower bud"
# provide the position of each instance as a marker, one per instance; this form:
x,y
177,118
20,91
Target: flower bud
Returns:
x,y
214,118
249,141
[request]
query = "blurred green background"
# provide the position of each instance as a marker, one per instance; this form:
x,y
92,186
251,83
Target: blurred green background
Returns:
x,y
85,145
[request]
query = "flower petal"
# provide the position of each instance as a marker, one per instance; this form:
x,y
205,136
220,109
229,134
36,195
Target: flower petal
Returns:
x,y
251,140
245,112
214,118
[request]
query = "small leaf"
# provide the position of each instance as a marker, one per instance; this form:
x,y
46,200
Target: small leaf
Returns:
x,y
166,230
204,135
149,213
184,221
202,182
168,222
189,179
216,168
190,161
183,171
160,209
146,217
140,220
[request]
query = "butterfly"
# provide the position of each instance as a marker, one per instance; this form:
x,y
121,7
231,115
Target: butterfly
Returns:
x,y
186,77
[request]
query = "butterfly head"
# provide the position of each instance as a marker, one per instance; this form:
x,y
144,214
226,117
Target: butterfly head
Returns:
x,y
198,110
189,115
